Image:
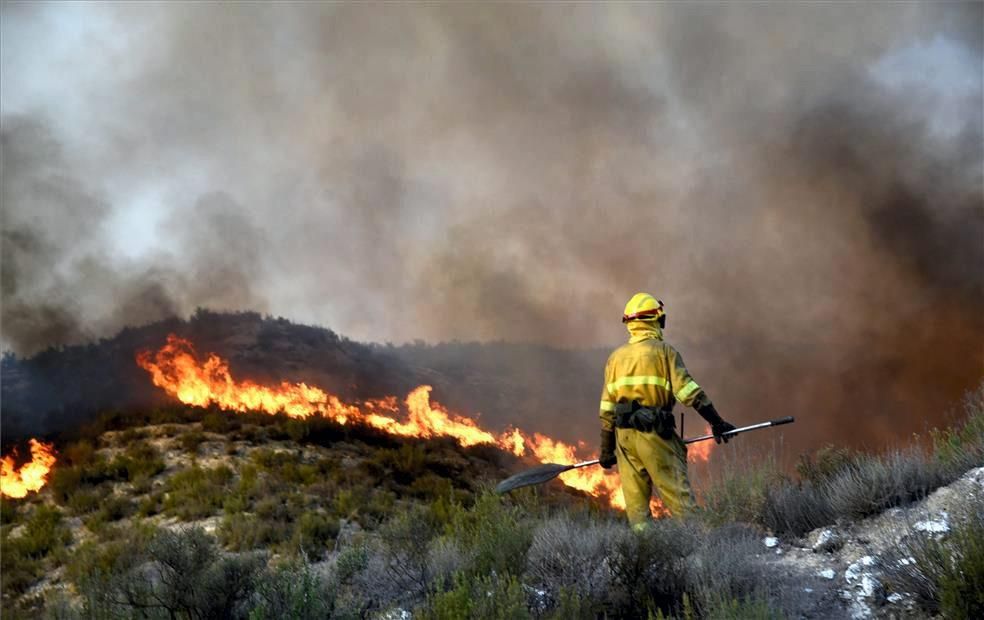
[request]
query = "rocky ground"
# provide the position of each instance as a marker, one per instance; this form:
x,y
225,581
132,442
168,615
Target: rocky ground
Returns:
x,y
841,569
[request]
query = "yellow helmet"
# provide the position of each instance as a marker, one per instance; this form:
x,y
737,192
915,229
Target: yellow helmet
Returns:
x,y
643,307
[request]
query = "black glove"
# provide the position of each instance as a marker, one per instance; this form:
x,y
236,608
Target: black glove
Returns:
x,y
607,457
718,426
720,429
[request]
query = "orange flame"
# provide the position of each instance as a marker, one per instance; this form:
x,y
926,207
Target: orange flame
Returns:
x,y
701,451
176,369
31,476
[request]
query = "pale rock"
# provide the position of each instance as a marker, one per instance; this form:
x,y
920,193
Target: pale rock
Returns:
x,y
869,585
934,526
827,540
827,574
770,541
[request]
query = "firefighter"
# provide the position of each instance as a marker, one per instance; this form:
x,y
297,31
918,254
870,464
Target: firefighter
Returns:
x,y
643,380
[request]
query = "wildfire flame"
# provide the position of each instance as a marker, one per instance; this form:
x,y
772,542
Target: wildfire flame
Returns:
x,y
176,369
31,476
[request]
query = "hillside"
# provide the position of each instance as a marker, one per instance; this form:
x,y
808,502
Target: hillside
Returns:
x,y
197,513
60,389
253,482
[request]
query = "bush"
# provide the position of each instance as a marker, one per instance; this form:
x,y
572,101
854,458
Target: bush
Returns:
x,y
293,591
218,422
43,534
313,533
8,511
872,484
494,534
190,441
795,508
568,559
176,574
111,509
648,568
961,447
739,494
490,597
196,493
946,576
825,463
724,578
22,560
239,532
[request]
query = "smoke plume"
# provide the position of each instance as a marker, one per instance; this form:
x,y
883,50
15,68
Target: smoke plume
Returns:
x,y
800,184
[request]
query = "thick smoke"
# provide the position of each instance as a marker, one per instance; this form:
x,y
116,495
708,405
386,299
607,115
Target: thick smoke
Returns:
x,y
800,184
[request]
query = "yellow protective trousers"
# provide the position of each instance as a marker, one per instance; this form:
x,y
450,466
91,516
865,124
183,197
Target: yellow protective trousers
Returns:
x,y
646,460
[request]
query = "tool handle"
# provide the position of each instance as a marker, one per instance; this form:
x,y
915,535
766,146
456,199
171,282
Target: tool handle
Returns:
x,y
585,463
743,429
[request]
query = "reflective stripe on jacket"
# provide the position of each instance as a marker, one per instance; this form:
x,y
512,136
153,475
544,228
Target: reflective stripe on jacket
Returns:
x,y
648,370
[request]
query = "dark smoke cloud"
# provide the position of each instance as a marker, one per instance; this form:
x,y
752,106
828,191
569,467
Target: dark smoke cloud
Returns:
x,y
59,283
516,172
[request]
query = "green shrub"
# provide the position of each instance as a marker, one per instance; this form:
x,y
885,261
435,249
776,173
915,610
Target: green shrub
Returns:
x,y
489,597
402,465
9,511
177,575
824,464
313,532
495,535
648,570
218,422
962,587
22,560
293,591
946,576
190,441
739,493
151,505
243,532
297,430
86,499
112,508
961,446
79,453
64,482
43,534
196,493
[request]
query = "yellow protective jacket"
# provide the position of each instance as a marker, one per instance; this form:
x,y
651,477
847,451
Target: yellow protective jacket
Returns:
x,y
649,370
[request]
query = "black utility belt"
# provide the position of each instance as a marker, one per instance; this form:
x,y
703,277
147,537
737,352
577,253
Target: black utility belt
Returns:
x,y
633,415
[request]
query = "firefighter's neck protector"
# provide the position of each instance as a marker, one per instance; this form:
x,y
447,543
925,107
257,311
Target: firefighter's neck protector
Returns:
x,y
643,330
